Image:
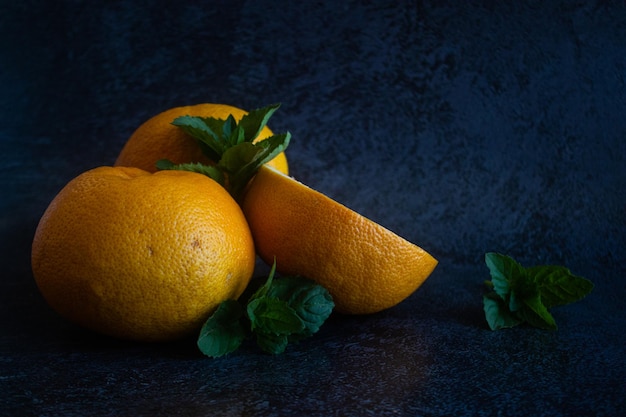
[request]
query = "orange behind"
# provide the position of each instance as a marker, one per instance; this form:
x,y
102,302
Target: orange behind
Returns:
x,y
158,139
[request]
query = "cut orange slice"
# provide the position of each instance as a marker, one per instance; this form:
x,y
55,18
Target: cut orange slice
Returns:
x,y
365,267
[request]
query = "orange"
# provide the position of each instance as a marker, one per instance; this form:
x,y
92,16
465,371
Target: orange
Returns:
x,y
141,256
365,267
158,139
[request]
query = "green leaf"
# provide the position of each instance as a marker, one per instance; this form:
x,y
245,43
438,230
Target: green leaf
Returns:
x,y
216,125
254,122
228,130
241,159
268,314
165,164
536,314
311,302
199,128
503,270
521,288
496,312
273,316
272,146
208,170
515,303
223,332
558,286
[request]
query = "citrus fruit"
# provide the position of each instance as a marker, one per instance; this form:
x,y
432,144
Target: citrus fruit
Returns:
x,y
141,256
158,139
365,267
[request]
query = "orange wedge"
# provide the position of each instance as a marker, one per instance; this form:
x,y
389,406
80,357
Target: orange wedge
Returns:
x,y
365,267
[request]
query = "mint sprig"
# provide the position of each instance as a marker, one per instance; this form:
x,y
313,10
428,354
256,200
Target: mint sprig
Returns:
x,y
283,310
523,295
228,144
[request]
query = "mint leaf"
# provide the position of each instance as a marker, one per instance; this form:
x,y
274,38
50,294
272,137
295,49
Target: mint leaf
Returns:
x,y
254,122
200,129
223,332
240,158
496,312
209,171
536,314
503,270
273,316
558,286
230,131
508,279
524,295
242,161
311,302
270,315
271,147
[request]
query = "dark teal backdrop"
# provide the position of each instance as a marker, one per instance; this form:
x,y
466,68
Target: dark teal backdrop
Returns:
x,y
466,127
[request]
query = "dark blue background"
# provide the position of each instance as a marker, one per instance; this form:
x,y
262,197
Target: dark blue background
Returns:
x,y
465,127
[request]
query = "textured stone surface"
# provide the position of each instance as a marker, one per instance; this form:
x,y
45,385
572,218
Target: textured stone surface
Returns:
x,y
465,127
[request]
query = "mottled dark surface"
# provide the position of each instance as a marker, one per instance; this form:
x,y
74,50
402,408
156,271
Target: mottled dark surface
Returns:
x,y
465,127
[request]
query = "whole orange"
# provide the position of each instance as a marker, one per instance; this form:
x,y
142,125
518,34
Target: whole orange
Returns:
x,y
157,139
141,256
364,266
